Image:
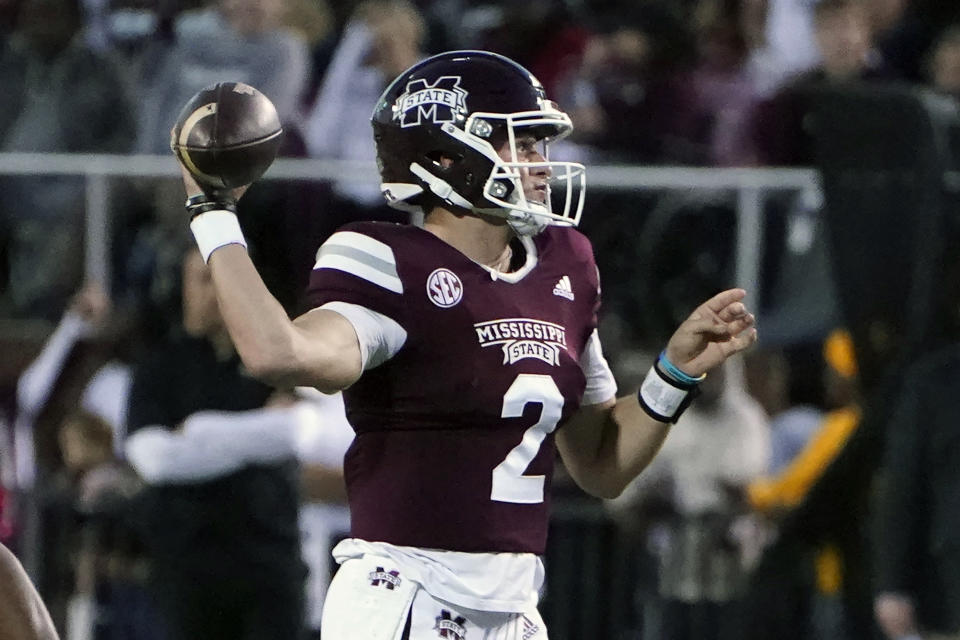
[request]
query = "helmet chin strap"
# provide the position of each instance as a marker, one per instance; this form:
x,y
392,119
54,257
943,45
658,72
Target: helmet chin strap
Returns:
x,y
440,187
525,223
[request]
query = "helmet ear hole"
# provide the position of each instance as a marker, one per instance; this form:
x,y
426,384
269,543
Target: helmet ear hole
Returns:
x,y
443,161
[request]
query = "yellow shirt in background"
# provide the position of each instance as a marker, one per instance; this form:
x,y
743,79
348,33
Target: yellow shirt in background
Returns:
x,y
788,488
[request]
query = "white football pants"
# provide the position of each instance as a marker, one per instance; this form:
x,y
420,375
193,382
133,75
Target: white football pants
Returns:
x,y
370,600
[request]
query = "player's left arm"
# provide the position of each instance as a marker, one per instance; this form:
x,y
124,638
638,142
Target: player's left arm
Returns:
x,y
605,445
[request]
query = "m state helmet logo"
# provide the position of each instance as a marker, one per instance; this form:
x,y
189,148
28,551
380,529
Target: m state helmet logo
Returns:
x,y
444,288
439,102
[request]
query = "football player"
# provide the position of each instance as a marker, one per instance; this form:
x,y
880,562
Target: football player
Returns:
x,y
467,351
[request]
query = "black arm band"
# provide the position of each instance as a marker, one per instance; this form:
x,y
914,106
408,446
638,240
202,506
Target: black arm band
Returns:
x,y
203,202
664,398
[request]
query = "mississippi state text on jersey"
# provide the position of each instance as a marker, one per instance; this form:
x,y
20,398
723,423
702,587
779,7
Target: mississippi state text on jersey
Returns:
x,y
455,433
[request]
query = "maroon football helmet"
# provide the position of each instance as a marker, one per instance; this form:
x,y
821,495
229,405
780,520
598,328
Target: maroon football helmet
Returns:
x,y
462,106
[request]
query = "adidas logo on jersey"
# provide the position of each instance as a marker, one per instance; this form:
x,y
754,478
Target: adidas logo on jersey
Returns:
x,y
563,288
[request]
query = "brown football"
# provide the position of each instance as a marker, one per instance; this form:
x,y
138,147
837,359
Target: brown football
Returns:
x,y
227,135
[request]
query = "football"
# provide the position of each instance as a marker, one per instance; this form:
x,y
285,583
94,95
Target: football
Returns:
x,y
227,135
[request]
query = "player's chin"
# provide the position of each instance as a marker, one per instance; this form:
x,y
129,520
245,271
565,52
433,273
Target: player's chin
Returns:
x,y
537,195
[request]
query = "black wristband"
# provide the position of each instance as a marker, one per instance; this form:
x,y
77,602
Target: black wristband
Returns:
x,y
663,397
203,202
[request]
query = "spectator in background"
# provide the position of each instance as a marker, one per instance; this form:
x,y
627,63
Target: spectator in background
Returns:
x,y
59,96
843,34
789,482
382,38
782,41
8,485
321,444
89,320
725,90
314,20
88,503
841,399
219,515
803,406
943,63
86,444
81,367
630,96
546,36
235,40
8,17
720,444
903,32
917,562
133,33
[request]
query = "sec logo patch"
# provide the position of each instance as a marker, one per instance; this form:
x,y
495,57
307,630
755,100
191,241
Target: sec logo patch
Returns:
x,y
444,288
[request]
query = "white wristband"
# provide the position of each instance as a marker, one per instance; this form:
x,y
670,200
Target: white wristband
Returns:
x,y
215,229
661,399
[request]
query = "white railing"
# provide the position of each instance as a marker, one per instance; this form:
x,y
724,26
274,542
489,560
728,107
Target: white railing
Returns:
x,y
749,185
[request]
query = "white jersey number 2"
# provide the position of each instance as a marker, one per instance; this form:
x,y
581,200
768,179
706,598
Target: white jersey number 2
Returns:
x,y
509,483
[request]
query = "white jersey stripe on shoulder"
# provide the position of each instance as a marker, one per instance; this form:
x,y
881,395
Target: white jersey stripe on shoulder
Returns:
x,y
363,243
360,269
387,268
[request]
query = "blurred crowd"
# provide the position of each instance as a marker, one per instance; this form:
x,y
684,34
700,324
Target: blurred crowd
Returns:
x,y
111,460
692,82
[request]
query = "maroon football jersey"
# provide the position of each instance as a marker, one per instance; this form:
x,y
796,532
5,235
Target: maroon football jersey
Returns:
x,y
455,433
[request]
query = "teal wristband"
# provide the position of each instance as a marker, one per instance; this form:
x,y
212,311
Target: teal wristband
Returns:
x,y
674,372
